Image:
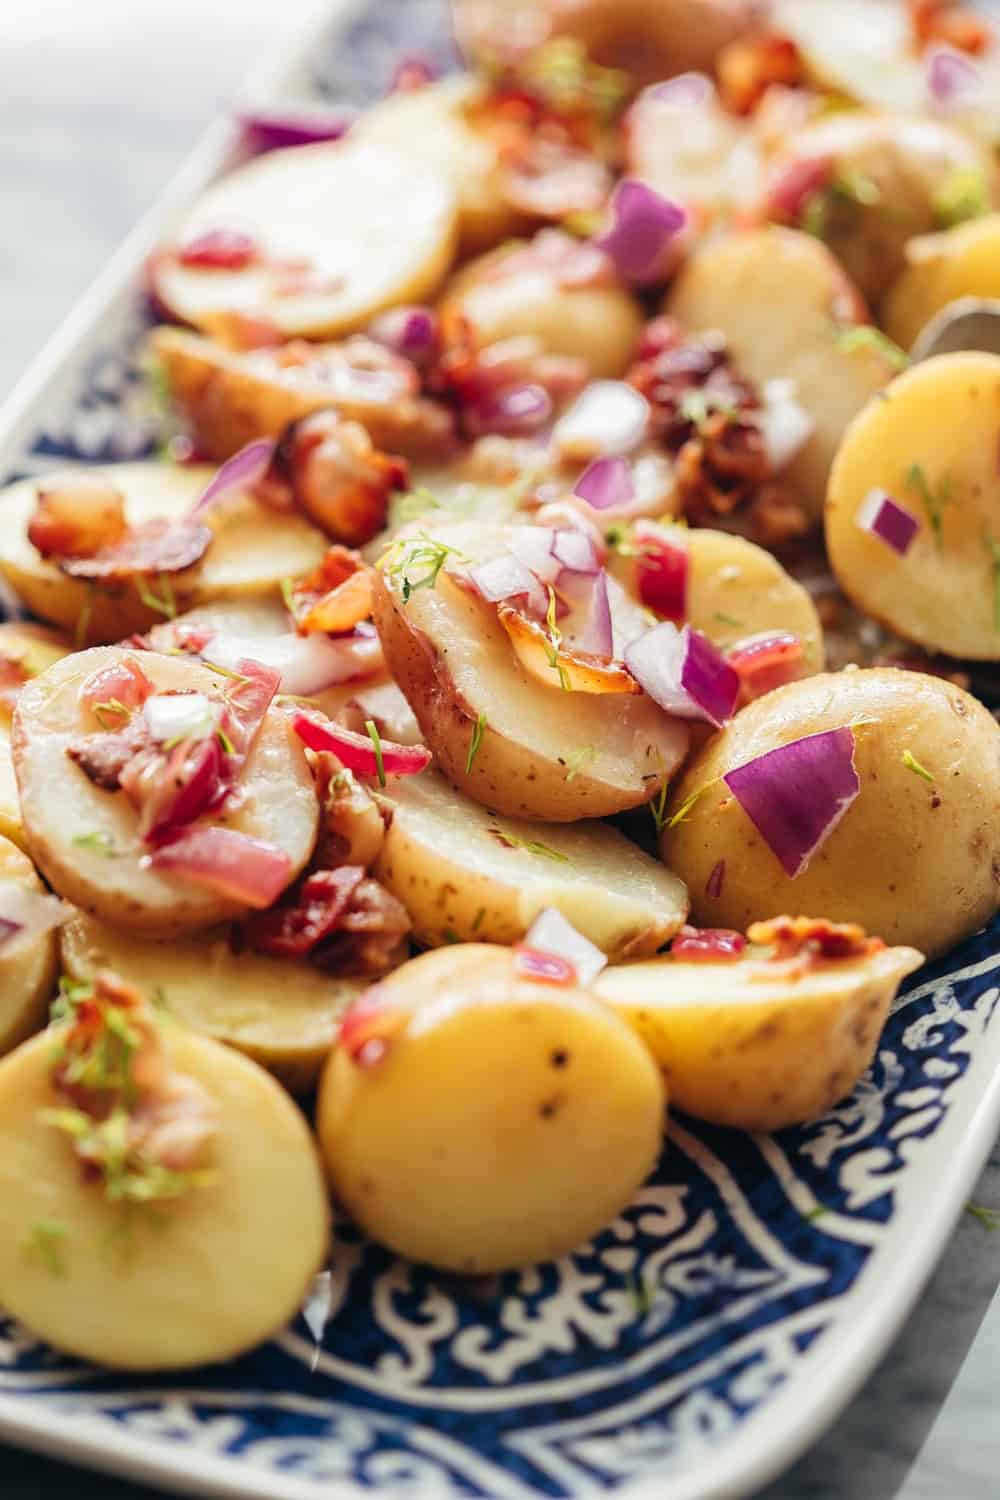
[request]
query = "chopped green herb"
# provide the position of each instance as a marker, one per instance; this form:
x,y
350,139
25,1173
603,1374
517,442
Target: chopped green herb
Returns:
x,y
163,603
860,720
111,708
641,1295
228,748
288,594
700,403
658,807
372,732
912,764
476,740
451,936
416,552
819,1212
106,1141
963,195
411,506
71,992
554,642
577,759
728,620
684,811
993,550
478,921
815,216
99,842
935,502
856,187
989,1218
158,996
584,223
45,1244
867,336
616,535
530,846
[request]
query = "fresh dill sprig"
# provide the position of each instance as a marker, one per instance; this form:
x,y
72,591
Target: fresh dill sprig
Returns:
x,y
475,741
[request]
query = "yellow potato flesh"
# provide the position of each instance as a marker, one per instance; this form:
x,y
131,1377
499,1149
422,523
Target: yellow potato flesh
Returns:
x,y
60,806
931,443
751,1043
941,268
462,872
27,969
915,862
11,826
447,1157
177,1284
454,662
376,227
282,1013
778,296
32,648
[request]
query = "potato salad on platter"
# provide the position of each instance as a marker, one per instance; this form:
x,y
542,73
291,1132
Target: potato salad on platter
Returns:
x,y
547,681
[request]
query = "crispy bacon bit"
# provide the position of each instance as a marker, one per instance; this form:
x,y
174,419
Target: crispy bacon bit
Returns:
x,y
710,945
77,519
774,518
950,23
340,919
242,331
104,757
792,936
333,471
479,382
157,549
748,68
113,694
219,250
335,597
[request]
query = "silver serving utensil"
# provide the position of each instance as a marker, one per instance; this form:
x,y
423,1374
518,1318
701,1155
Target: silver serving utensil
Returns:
x,y
968,323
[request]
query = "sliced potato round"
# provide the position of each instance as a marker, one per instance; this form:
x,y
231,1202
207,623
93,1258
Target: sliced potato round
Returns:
x,y
11,826
281,1013
454,661
157,1291
341,231
27,969
253,551
941,268
752,1044
916,856
84,840
782,301
449,1155
430,127
463,873
930,443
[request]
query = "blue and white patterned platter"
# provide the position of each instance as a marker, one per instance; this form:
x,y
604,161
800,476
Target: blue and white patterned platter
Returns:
x,y
695,1347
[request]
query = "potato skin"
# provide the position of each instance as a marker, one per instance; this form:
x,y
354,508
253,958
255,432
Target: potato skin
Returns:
x,y
448,1158
913,862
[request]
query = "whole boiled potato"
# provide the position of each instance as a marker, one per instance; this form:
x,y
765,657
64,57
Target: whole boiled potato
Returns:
x,y
448,1155
915,858
941,268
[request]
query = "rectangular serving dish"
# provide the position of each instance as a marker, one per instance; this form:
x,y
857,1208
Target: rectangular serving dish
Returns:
x,y
775,1270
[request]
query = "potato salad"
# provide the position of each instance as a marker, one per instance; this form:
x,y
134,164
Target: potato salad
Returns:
x,y
548,679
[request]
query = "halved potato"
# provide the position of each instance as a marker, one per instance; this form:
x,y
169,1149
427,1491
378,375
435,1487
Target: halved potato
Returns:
x,y
454,661
254,549
930,443
753,1044
281,1013
430,126
30,649
228,398
84,840
941,268
156,1288
28,969
339,232
462,872
782,302
11,826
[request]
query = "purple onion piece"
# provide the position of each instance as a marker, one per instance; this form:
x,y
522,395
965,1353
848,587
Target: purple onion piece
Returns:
x,y
532,545
952,78
797,794
511,410
684,673
686,91
9,930
885,518
643,225
575,551
606,484
598,633
278,127
409,331
240,472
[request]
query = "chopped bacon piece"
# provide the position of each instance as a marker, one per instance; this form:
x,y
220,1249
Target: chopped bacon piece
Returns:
x,y
708,945
792,936
113,694
370,933
104,757
334,597
747,68
953,24
157,548
480,382
233,864
242,331
77,519
340,919
333,471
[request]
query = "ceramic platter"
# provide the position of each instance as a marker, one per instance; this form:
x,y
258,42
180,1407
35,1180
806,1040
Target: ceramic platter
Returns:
x,y
698,1345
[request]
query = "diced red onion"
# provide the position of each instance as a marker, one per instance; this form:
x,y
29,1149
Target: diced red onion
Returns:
x,y
708,945
784,425
124,682
172,794
238,473
26,914
533,546
512,410
606,484
684,673
662,570
797,794
184,716
503,577
356,751
644,223
551,933
884,517
575,551
306,664
952,77
233,864
275,128
412,332
686,91
544,968
598,633
608,418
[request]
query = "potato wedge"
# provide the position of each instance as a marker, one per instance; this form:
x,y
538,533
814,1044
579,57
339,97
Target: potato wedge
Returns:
x,y
463,873
941,268
447,1156
28,970
930,443
253,551
281,1013
751,1045
916,855
779,297
84,840
157,1290
228,398
338,232
454,662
